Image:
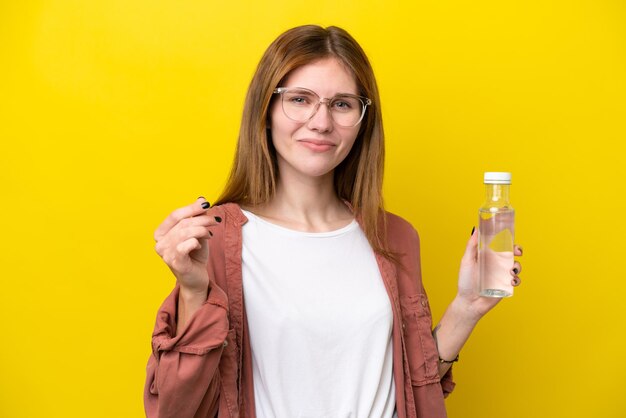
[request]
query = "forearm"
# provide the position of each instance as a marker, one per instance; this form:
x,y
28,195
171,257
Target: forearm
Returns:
x,y
182,378
454,329
188,304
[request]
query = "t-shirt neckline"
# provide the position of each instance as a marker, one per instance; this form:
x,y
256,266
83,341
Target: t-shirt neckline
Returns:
x,y
344,229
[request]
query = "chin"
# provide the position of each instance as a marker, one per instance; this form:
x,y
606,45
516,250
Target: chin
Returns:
x,y
308,167
316,171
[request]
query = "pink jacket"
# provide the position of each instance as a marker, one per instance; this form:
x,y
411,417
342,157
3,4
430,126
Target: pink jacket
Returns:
x,y
206,371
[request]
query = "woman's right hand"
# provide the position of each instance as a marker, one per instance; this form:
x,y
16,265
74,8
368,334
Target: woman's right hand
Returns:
x,y
182,242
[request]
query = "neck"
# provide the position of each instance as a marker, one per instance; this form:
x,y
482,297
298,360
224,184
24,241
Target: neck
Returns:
x,y
306,203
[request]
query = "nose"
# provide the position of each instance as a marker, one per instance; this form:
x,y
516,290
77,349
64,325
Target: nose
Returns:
x,y
321,120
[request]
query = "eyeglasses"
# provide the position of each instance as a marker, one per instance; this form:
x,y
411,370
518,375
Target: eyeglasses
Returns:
x,y
300,104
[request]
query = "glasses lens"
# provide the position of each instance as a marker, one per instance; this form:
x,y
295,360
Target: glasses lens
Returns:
x,y
299,105
346,110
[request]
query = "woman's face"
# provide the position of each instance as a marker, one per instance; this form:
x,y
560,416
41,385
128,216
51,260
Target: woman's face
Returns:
x,y
316,147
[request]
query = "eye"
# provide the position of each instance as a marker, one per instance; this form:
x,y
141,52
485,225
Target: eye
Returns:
x,y
296,99
299,98
345,104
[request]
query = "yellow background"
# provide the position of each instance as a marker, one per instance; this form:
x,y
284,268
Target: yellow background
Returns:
x,y
113,113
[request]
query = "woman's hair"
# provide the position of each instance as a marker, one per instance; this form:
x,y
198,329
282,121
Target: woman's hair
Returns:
x,y
359,177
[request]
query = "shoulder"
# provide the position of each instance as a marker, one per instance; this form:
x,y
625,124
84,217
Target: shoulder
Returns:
x,y
404,243
397,222
399,229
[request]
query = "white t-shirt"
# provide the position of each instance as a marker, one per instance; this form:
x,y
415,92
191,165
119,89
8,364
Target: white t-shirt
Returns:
x,y
320,323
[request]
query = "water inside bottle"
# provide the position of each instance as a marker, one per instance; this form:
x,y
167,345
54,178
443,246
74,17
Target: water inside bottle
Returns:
x,y
495,252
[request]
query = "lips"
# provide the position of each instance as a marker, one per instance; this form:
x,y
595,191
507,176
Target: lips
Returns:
x,y
317,142
317,145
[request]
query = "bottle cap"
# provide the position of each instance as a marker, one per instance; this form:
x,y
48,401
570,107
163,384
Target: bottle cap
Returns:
x,y
495,177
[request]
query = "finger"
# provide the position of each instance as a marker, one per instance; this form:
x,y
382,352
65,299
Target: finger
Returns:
x,y
197,208
179,260
517,268
198,232
471,249
181,233
199,220
516,281
184,230
187,246
518,250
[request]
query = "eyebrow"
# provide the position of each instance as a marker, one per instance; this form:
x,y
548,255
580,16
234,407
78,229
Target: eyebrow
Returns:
x,y
319,95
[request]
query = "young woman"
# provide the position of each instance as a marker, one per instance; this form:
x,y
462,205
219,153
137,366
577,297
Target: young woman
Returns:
x,y
297,294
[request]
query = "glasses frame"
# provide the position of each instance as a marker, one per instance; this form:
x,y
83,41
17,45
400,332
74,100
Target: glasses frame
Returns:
x,y
327,101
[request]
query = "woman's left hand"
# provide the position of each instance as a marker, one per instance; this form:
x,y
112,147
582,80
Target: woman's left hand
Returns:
x,y
468,279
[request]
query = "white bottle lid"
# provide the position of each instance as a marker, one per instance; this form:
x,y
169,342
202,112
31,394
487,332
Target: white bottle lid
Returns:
x,y
496,177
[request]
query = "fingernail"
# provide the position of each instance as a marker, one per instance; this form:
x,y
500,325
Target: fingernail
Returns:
x,y
218,219
205,205
210,233
200,197
515,270
473,229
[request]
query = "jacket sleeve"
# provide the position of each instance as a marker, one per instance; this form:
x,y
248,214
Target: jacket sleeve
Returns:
x,y
429,389
182,373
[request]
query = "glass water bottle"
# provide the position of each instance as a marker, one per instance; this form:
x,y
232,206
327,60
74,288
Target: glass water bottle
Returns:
x,y
496,237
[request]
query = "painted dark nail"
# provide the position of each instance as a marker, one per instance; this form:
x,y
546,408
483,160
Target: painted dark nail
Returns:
x,y
218,219
515,270
473,229
205,205
210,233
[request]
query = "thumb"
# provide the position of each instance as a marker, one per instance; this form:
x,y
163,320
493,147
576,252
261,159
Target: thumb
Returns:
x,y
471,249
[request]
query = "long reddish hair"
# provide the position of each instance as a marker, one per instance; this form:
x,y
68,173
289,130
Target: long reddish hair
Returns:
x,y
359,177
